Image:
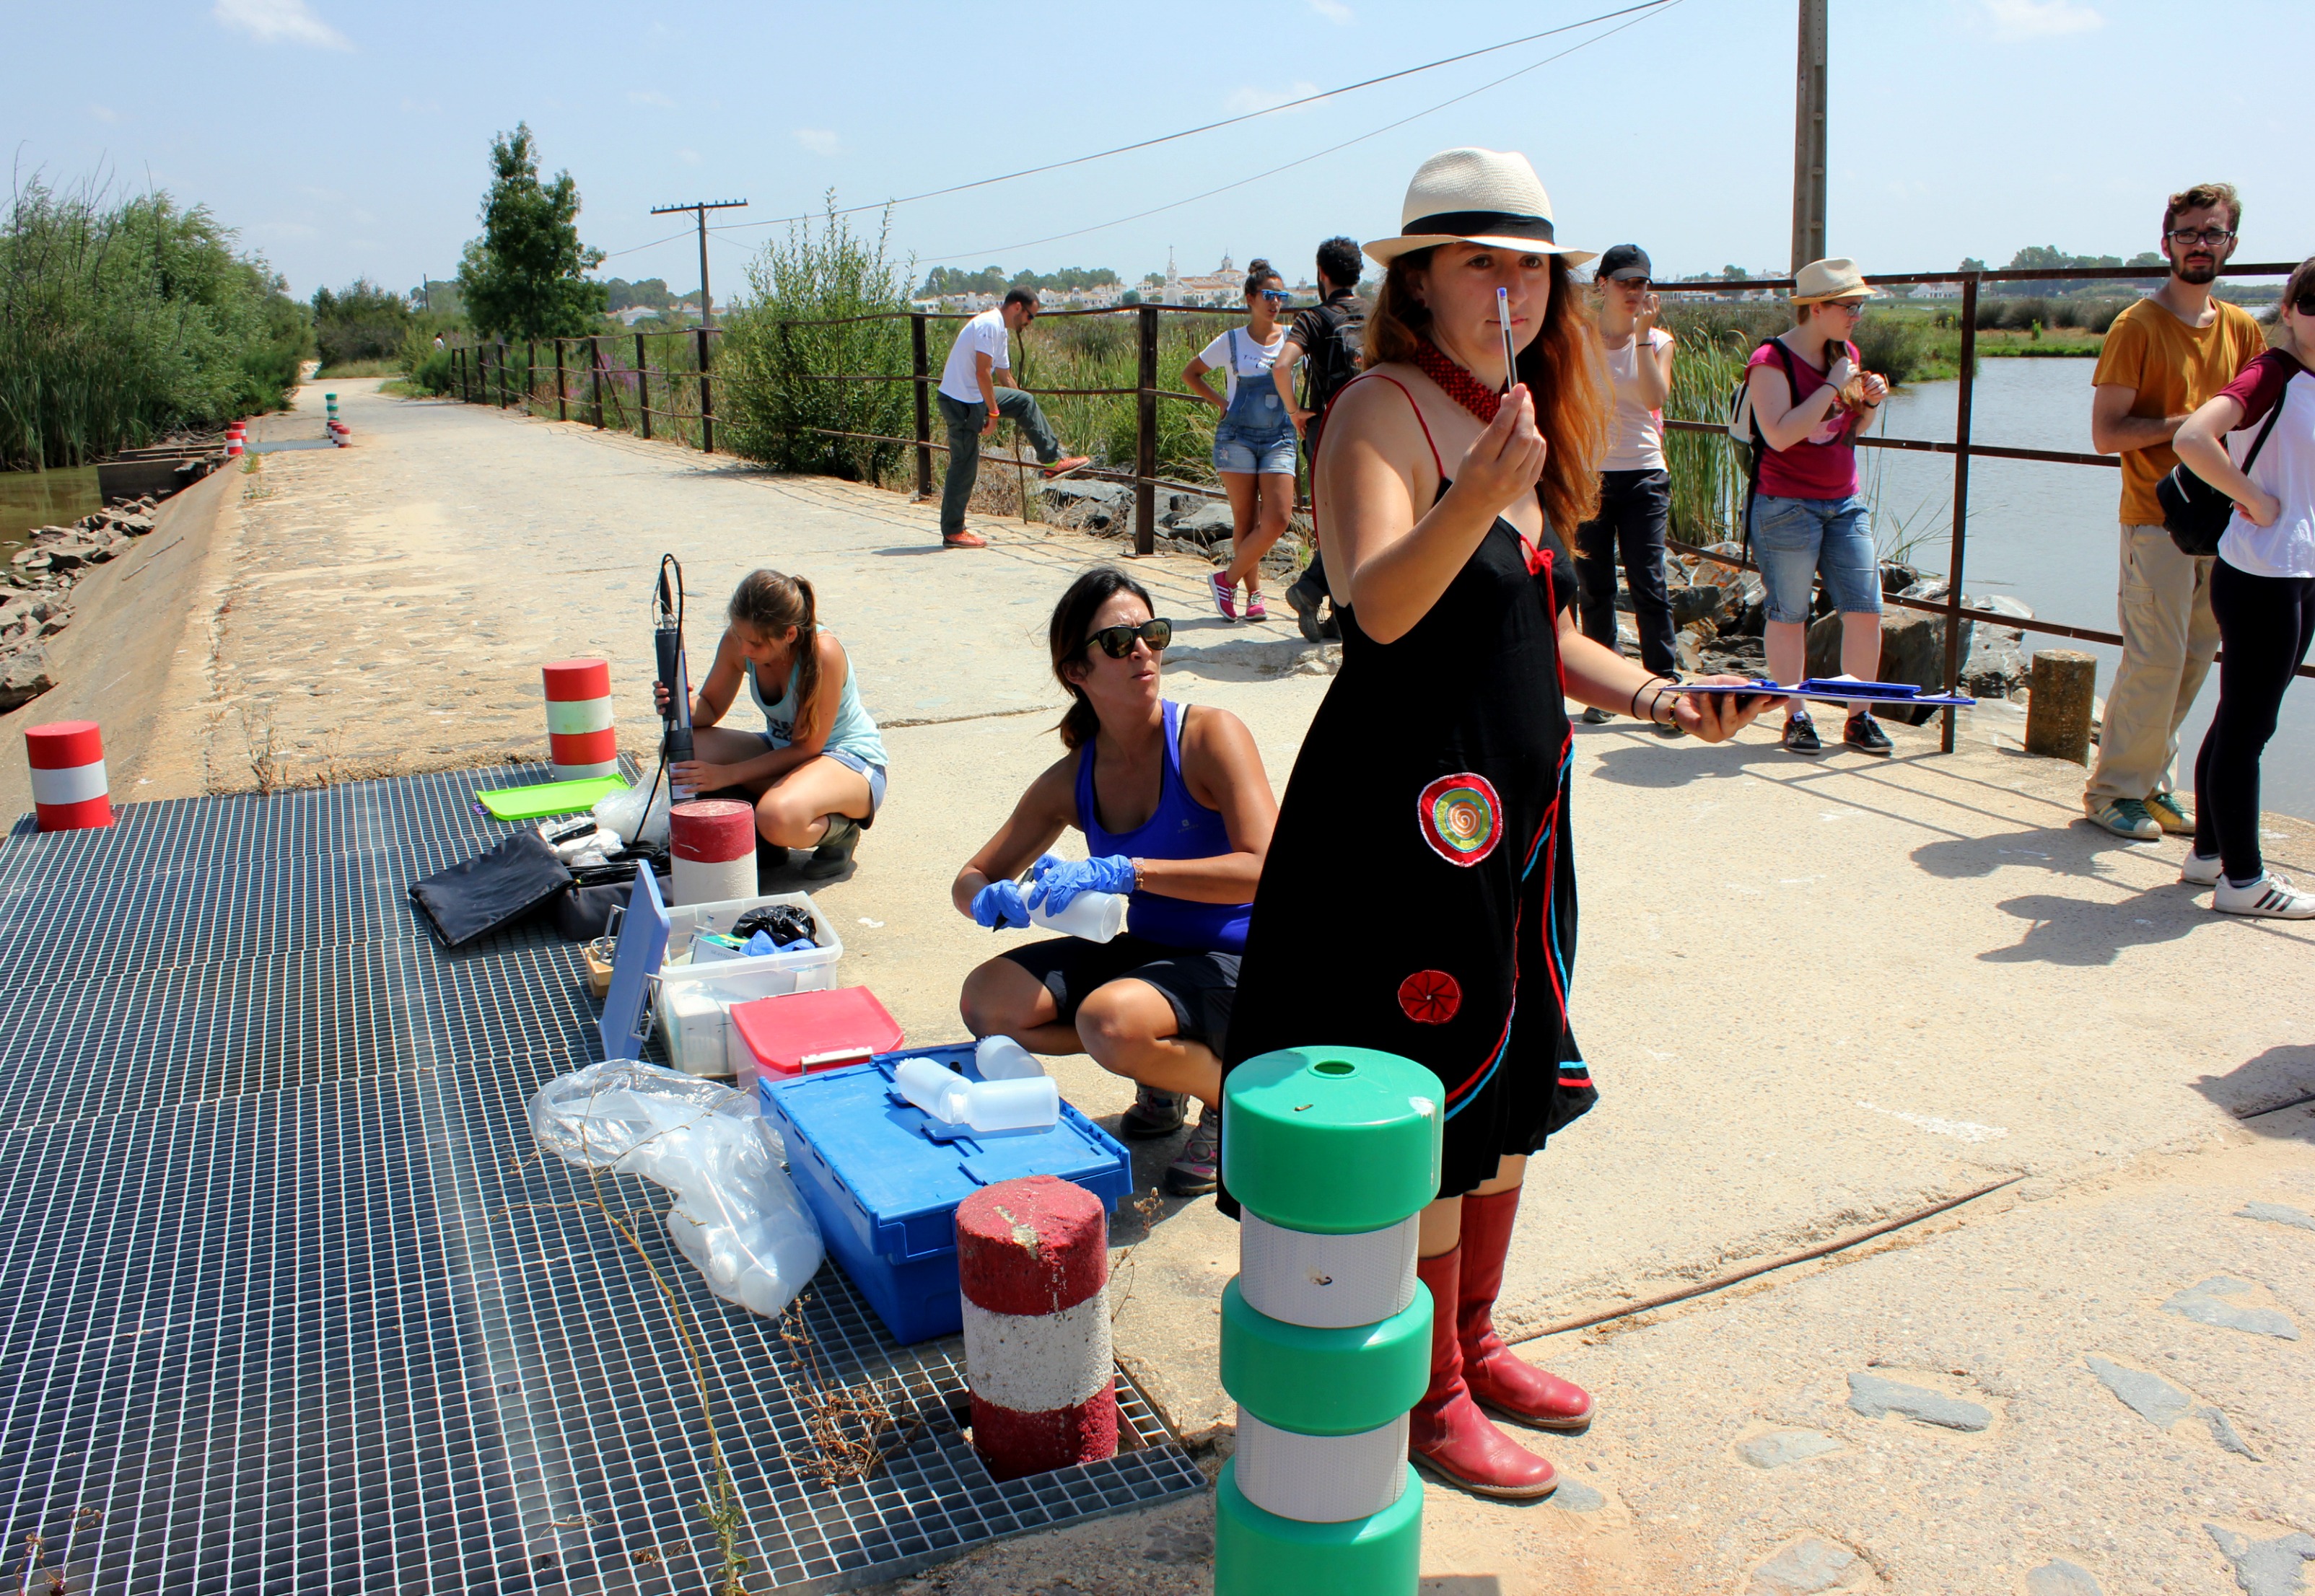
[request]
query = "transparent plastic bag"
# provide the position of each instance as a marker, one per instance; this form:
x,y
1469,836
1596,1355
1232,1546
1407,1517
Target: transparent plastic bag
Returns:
x,y
624,813
737,1217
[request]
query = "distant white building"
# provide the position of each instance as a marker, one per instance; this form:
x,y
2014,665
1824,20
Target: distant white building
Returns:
x,y
1937,291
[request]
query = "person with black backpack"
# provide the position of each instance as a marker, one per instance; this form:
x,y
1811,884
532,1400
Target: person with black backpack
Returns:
x,y
1330,336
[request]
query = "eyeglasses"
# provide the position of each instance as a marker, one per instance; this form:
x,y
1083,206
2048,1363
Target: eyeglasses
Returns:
x,y
1849,307
1117,642
1280,295
2210,237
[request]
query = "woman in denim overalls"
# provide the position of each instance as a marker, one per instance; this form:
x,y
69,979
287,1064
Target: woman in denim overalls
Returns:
x,y
1253,442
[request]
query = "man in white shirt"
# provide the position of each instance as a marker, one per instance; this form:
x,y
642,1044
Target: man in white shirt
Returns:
x,y
974,394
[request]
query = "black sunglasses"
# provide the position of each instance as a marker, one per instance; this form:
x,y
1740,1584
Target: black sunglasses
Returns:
x,y
1117,642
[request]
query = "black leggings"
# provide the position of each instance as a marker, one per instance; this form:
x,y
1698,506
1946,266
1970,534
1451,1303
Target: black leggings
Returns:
x,y
2266,624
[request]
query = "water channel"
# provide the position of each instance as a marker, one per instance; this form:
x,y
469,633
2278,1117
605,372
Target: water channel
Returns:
x,y
29,499
2046,534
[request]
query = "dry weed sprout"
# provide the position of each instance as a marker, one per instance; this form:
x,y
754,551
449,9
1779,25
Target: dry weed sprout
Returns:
x,y
1121,1272
848,1424
257,735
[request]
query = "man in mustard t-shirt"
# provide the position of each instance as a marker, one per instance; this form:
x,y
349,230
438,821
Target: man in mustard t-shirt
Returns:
x,y
2163,357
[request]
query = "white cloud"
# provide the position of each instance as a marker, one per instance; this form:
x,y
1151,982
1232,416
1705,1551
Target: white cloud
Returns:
x,y
268,21
688,157
1242,100
648,97
820,141
1333,10
2041,19
102,114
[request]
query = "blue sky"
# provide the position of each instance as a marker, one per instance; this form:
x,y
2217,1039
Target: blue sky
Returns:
x,y
341,140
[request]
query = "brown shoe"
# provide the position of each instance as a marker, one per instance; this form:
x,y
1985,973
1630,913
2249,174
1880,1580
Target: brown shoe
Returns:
x,y
1498,1378
1054,470
964,540
1447,1433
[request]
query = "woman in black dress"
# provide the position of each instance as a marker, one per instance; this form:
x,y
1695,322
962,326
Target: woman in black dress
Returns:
x,y
1419,895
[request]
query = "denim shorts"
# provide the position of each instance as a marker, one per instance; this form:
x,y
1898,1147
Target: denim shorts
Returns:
x,y
1250,451
874,773
1795,539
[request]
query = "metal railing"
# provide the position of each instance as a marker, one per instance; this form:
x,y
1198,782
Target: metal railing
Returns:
x,y
473,367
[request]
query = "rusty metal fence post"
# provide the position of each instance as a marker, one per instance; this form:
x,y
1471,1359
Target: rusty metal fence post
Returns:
x,y
642,386
1145,436
562,414
706,400
595,378
529,374
920,365
1960,543
502,382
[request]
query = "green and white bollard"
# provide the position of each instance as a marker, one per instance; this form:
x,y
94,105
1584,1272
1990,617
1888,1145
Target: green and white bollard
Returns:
x,y
1331,1153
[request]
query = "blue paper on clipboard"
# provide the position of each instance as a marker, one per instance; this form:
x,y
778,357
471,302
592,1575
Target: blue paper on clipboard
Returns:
x,y
1831,689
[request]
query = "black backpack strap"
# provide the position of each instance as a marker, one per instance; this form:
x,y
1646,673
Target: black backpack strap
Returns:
x,y
2258,443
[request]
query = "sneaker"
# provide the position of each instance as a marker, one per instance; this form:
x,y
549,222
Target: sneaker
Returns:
x,y
1054,470
1304,599
834,849
1194,1173
1256,609
1597,717
1155,1112
2170,814
2200,872
1225,592
963,540
2269,897
2126,816
1864,734
1800,736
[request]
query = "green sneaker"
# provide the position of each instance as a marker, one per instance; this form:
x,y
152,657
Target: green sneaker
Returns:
x,y
2170,814
2126,816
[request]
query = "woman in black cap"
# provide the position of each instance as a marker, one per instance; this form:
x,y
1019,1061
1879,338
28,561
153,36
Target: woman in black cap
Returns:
x,y
1420,876
1634,492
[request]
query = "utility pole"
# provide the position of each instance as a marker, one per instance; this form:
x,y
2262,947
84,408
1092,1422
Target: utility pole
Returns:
x,y
1808,138
701,207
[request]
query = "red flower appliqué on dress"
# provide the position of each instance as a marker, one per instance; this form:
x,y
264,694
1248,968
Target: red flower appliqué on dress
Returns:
x,y
1430,997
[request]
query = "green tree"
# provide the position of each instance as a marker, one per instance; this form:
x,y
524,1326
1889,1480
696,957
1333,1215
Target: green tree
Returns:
x,y
524,277
359,322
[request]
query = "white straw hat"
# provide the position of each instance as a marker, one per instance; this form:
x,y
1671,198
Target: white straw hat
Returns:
x,y
1476,196
1836,278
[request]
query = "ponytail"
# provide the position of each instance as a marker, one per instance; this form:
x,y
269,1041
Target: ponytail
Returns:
x,y
771,603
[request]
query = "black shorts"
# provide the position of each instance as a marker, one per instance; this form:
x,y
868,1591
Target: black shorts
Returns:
x,y
1198,987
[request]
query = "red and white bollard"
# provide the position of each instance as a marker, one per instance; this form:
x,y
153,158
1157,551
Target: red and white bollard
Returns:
x,y
714,841
236,440
1032,1258
69,789
579,740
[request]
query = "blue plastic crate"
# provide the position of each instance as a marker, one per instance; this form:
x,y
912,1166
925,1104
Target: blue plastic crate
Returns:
x,y
885,1191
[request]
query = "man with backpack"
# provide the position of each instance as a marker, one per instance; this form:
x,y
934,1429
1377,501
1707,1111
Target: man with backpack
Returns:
x,y
2165,357
1329,336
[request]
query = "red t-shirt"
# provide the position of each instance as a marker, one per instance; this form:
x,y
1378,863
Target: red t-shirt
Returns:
x,y
2258,387
1823,465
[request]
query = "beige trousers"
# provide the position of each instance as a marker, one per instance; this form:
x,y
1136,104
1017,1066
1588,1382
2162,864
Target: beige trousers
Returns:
x,y
2169,638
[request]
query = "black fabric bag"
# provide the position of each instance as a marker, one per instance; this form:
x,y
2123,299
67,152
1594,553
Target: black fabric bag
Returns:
x,y
1330,370
2194,513
584,912
490,890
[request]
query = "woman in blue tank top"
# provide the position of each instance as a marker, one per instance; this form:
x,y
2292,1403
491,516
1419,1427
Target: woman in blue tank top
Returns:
x,y
816,771
1177,812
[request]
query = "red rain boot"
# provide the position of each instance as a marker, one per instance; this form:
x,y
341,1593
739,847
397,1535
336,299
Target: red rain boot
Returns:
x,y
1447,1432
1499,1379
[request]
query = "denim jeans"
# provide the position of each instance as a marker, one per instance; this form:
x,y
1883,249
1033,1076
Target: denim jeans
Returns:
x,y
964,423
1796,539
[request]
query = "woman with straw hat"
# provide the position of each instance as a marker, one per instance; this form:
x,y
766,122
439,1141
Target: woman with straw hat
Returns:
x,y
1420,873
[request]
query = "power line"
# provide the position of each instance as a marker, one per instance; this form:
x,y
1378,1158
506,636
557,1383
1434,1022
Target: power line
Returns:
x,y
1643,6
1654,7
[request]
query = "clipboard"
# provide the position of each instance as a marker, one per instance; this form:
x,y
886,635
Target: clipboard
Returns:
x,y
1829,689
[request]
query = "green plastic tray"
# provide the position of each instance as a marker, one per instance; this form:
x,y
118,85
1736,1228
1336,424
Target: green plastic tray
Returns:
x,y
549,798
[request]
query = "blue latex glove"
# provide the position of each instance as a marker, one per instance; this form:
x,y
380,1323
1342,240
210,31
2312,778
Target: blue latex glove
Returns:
x,y
760,944
1058,885
1000,906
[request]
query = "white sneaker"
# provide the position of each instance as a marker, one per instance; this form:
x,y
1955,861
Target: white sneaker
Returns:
x,y
2269,897
2199,872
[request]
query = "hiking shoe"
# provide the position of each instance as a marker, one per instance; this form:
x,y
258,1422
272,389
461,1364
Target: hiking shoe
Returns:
x,y
1864,734
1194,1172
963,540
2126,816
1256,609
1054,470
1225,592
1155,1112
2269,897
2169,813
834,849
1304,599
2200,872
1597,717
1800,736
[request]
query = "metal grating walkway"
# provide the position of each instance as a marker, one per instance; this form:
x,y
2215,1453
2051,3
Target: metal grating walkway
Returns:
x,y
287,1304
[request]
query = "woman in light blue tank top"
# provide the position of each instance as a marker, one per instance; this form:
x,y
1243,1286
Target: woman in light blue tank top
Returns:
x,y
816,771
1177,812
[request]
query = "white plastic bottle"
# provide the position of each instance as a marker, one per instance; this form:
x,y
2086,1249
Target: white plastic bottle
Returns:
x,y
1012,1104
1000,1058
1096,917
939,1091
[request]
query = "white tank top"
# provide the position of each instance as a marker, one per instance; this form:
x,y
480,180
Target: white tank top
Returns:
x,y
1635,432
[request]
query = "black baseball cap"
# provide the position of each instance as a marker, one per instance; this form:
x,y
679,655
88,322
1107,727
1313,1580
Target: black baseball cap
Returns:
x,y
1623,260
